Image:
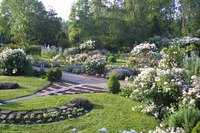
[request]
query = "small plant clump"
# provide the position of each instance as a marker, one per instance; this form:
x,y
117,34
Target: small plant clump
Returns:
x,y
113,85
112,59
53,75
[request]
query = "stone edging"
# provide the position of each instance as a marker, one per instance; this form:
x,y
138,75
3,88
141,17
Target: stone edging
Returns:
x,y
41,116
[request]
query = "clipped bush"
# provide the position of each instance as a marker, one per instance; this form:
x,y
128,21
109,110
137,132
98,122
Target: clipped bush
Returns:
x,y
113,85
14,62
58,73
112,59
53,75
196,129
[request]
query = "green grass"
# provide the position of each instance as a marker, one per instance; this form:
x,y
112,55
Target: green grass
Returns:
x,y
110,111
119,62
63,67
28,86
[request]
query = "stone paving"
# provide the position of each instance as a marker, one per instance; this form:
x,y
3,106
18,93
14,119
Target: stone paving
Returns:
x,y
69,88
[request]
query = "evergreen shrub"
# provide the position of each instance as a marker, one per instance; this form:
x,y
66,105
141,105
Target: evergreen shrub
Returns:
x,y
113,85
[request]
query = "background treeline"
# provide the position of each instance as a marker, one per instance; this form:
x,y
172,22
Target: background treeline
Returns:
x,y
122,22
112,24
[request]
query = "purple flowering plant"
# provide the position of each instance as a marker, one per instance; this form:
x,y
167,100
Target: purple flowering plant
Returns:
x,y
120,73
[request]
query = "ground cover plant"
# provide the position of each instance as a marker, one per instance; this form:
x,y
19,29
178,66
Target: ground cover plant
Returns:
x,y
108,111
26,87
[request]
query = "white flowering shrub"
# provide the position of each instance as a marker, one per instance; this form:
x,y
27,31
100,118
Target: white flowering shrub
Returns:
x,y
155,55
94,64
148,108
14,62
143,48
172,82
173,58
165,42
143,85
158,130
87,45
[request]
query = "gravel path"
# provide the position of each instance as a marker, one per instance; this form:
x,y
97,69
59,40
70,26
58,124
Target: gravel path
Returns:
x,y
81,79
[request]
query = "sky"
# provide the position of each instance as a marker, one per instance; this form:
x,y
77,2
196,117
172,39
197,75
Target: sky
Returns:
x,y
62,7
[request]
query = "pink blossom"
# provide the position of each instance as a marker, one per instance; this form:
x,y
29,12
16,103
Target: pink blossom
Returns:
x,y
194,77
166,83
197,95
192,101
185,99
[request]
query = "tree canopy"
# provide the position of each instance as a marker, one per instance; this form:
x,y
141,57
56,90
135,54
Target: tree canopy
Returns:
x,y
29,17
122,22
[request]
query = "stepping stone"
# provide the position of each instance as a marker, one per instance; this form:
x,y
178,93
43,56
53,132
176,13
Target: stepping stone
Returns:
x,y
37,112
5,112
70,105
62,107
22,112
51,110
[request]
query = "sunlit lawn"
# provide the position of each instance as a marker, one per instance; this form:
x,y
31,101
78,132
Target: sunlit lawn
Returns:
x,y
110,111
28,86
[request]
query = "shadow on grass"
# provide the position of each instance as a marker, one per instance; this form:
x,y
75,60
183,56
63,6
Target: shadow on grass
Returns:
x,y
22,87
96,106
9,105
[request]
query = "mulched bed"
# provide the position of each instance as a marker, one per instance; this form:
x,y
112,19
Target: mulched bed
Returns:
x,y
75,108
6,86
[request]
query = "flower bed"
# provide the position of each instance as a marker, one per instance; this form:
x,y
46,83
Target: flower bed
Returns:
x,y
73,109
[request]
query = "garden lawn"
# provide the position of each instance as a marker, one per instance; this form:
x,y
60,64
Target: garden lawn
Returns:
x,y
28,86
119,62
110,111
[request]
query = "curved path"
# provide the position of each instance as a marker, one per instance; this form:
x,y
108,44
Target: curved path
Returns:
x,y
70,84
81,79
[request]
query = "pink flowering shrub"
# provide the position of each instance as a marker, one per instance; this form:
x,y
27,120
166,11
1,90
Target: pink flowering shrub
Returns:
x,y
191,94
135,62
82,57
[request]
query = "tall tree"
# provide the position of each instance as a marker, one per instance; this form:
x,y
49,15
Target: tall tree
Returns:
x,y
31,18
